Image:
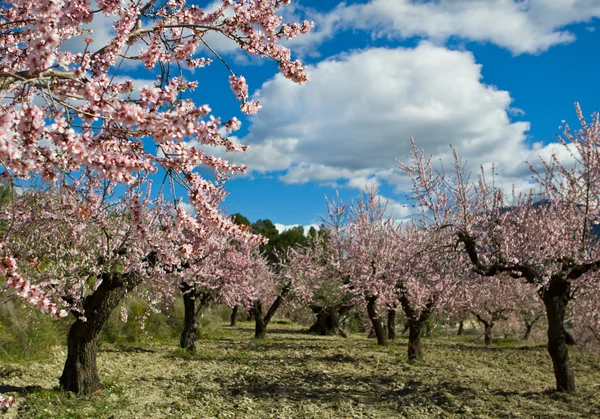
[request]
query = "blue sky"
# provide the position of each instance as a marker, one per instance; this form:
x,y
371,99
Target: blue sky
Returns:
x,y
494,78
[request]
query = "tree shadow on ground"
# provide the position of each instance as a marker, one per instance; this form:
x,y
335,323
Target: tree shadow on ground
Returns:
x,y
19,390
483,348
313,385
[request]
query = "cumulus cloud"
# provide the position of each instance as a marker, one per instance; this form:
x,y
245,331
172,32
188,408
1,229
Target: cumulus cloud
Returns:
x,y
353,119
530,26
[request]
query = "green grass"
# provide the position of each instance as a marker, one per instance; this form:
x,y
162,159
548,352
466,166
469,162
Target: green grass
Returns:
x,y
295,375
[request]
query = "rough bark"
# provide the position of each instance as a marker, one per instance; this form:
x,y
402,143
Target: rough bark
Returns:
x,y
261,322
461,328
234,313
391,324
487,333
328,320
556,298
193,302
528,327
189,334
415,353
487,328
415,322
380,332
80,373
260,328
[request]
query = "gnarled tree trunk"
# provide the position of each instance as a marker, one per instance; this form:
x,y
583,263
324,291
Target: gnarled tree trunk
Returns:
x,y
487,328
487,333
261,322
415,327
556,298
391,324
528,327
234,312
461,328
376,321
260,328
328,320
80,373
193,302
415,322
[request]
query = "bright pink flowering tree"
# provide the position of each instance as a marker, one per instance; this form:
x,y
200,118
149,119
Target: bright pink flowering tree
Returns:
x,y
68,106
86,251
546,242
586,316
214,267
362,247
491,300
427,275
294,279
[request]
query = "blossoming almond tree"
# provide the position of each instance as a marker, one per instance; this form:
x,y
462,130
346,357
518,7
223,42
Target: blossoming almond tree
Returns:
x,y
215,268
86,251
362,248
546,242
427,276
68,106
294,279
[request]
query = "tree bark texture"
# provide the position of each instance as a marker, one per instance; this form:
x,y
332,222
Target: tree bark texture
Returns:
x,y
260,328
261,322
391,324
556,298
80,372
415,353
528,327
193,302
380,332
415,322
487,333
328,320
234,312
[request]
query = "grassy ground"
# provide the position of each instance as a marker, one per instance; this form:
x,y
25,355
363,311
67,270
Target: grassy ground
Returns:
x,y
295,375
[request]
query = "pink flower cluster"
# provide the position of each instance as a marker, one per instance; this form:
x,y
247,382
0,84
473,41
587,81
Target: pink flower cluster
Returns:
x,y
27,291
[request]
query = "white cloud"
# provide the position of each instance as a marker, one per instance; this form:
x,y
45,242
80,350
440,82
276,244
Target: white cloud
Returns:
x,y
530,26
353,119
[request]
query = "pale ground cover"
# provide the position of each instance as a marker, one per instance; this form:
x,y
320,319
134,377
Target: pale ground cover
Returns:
x,y
295,375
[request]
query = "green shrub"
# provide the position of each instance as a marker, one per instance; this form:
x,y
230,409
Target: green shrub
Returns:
x,y
27,334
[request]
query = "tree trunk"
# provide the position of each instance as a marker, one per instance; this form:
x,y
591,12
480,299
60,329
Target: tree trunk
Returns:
x,y
261,322
328,320
260,328
380,332
487,333
487,328
527,334
461,328
556,298
428,328
234,313
189,334
80,373
415,353
391,324
406,327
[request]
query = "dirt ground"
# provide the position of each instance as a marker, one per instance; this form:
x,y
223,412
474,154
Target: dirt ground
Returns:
x,y
295,375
